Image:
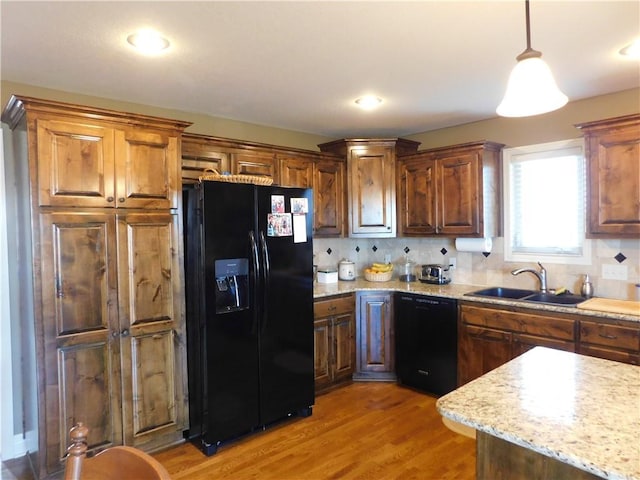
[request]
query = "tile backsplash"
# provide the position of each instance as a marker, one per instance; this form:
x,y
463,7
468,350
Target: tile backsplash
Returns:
x,y
491,270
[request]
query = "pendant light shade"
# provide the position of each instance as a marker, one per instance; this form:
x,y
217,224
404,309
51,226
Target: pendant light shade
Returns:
x,y
532,89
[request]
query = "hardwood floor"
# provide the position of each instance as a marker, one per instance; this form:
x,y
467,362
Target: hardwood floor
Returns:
x,y
367,430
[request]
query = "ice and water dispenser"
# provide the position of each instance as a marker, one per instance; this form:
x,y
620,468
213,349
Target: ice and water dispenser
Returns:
x,y
232,284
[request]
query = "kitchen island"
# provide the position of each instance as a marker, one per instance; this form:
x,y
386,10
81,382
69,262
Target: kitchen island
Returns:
x,y
553,414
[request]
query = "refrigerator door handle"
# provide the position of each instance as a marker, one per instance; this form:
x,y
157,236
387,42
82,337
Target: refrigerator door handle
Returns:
x,y
266,272
255,275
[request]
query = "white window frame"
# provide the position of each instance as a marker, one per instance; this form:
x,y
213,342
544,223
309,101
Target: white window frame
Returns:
x,y
510,155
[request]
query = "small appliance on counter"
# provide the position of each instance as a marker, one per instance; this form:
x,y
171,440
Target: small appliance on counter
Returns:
x,y
436,274
327,275
346,270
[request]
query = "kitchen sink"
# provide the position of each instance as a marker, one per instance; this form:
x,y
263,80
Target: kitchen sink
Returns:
x,y
567,299
502,292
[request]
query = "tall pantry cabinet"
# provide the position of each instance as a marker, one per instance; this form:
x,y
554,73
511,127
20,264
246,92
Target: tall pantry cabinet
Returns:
x,y
100,191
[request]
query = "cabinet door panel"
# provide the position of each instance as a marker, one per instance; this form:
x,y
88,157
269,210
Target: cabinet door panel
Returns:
x,y
322,352
372,191
615,184
80,367
75,164
153,382
417,200
147,169
151,313
344,351
261,164
481,350
89,393
458,191
375,334
329,192
296,172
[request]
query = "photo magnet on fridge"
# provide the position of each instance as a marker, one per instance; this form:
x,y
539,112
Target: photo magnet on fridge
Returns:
x,y
299,205
277,203
279,225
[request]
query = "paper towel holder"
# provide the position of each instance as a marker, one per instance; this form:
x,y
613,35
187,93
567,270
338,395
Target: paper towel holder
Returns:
x,y
478,245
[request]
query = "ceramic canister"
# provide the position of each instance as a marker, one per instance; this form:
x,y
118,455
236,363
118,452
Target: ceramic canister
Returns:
x,y
346,270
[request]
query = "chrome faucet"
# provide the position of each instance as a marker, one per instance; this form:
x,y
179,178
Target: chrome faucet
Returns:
x,y
542,275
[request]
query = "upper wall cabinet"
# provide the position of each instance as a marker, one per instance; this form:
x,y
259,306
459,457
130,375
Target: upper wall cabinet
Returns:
x,y
452,191
93,162
287,167
371,190
613,156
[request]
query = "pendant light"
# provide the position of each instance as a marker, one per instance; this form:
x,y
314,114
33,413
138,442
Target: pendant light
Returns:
x,y
531,89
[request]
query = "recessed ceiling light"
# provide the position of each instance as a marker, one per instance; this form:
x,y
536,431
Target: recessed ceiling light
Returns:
x,y
632,50
148,42
368,102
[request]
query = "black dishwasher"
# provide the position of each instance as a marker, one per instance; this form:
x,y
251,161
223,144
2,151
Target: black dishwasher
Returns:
x,y
426,342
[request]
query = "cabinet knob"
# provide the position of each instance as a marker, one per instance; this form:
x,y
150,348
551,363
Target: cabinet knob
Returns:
x,y
109,199
125,333
121,199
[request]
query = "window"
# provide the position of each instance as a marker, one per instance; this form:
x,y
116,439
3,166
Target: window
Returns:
x,y
544,203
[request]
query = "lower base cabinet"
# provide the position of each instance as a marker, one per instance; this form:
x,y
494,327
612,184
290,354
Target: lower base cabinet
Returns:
x,y
375,342
334,342
489,337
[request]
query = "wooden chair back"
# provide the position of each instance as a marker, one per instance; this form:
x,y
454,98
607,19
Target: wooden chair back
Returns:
x,y
115,463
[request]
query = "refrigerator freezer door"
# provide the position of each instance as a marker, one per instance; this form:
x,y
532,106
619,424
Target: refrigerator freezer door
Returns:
x,y
232,339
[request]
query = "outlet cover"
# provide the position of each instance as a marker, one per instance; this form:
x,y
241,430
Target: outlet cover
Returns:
x,y
615,272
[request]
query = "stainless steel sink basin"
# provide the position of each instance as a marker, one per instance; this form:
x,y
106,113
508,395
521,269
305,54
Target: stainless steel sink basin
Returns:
x,y
566,300
502,292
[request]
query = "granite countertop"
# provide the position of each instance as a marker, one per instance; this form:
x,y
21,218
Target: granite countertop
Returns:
x,y
452,290
580,410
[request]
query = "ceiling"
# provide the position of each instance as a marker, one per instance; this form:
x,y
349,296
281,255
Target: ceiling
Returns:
x,y
299,65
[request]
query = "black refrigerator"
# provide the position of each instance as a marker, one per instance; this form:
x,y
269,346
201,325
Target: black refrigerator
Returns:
x,y
249,308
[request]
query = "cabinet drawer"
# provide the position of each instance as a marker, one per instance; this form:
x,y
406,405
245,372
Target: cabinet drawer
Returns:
x,y
521,322
333,306
610,354
617,336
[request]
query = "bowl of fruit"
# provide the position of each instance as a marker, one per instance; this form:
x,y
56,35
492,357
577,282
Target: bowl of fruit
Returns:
x,y
379,272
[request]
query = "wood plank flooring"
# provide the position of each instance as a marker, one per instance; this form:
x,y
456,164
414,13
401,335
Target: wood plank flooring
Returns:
x,y
367,430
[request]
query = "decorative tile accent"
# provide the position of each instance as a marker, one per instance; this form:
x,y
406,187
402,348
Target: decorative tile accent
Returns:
x,y
357,249
620,257
486,254
374,248
407,249
443,251
329,251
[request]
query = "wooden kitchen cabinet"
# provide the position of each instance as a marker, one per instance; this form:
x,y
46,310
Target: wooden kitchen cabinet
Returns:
x,y
257,163
611,339
329,192
334,346
296,171
375,359
200,156
371,190
452,191
489,336
105,279
93,163
613,166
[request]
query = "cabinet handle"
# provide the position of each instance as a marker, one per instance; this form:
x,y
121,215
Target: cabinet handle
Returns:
x,y
59,292
388,228
125,333
109,199
332,308
114,333
608,337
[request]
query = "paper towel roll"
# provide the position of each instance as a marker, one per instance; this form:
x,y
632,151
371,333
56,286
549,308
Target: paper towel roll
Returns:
x,y
474,244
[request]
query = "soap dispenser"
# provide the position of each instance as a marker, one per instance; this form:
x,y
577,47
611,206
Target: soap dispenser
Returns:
x,y
587,287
